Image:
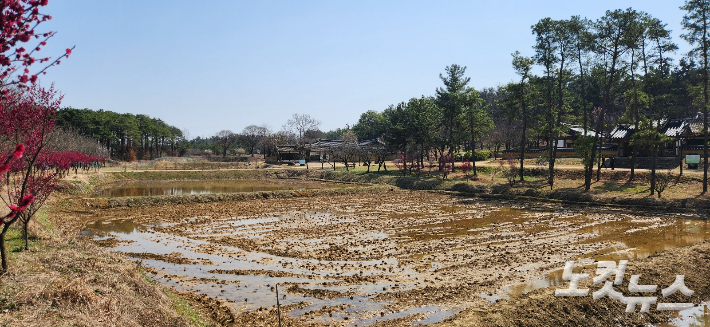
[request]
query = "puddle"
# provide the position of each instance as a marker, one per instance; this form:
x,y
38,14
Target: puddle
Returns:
x,y
206,187
692,317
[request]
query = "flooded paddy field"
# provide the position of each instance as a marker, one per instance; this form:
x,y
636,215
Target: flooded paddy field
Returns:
x,y
207,187
383,259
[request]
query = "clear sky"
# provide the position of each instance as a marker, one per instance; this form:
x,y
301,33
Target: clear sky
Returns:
x,y
205,66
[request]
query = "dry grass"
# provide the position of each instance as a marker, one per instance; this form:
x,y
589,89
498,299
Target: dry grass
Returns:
x,y
63,281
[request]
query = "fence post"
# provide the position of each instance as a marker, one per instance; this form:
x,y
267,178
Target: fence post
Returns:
x,y
278,306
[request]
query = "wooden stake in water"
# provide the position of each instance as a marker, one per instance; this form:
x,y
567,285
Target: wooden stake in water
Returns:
x,y
278,306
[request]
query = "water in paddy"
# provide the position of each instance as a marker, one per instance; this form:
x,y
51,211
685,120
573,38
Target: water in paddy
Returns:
x,y
246,278
206,187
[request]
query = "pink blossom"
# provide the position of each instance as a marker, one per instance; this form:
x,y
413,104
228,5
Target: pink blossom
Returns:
x,y
26,201
19,149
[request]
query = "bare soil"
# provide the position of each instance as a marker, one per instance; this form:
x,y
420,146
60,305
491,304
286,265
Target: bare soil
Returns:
x,y
415,256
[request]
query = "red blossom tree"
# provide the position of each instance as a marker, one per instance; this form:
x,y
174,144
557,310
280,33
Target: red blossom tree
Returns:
x,y
466,168
26,119
401,162
20,42
26,111
446,165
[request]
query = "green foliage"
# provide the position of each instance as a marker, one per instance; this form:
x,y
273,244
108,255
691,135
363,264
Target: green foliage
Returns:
x,y
120,133
371,125
335,134
582,148
452,99
480,155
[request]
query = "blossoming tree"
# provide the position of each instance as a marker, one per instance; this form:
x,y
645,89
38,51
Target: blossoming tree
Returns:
x,y
26,110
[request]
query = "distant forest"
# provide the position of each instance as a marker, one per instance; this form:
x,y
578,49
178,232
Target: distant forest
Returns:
x,y
126,136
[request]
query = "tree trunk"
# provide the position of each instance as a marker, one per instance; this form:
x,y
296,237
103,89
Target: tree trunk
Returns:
x,y
705,107
522,142
25,230
681,158
3,249
599,160
653,170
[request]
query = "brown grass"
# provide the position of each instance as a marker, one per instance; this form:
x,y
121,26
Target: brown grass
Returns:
x,y
74,283
65,281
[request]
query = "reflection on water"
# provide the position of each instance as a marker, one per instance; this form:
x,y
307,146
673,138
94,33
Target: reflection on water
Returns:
x,y
631,238
692,317
252,291
206,187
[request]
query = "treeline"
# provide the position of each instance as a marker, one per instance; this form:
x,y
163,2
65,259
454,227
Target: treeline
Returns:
x,y
125,136
430,128
617,69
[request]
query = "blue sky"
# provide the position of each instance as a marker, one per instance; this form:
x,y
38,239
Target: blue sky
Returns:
x,y
210,65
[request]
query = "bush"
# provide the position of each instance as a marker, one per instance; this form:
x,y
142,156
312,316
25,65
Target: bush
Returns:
x,y
480,155
483,155
662,182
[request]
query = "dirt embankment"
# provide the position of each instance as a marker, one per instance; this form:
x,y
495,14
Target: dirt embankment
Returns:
x,y
68,282
613,189
226,197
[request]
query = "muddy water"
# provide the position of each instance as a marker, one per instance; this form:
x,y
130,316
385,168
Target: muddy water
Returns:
x,y
206,187
359,261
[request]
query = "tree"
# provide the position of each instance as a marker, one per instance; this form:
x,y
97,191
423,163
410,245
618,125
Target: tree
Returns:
x,y
348,149
335,134
450,100
27,119
582,43
252,136
421,126
522,66
477,122
612,35
397,135
371,125
272,140
696,23
552,50
226,139
124,133
301,124
18,26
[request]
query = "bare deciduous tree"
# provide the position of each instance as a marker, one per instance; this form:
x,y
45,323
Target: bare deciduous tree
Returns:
x,y
300,124
252,136
226,139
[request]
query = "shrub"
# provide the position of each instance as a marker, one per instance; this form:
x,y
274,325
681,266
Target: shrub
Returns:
x,y
483,155
480,155
662,182
509,170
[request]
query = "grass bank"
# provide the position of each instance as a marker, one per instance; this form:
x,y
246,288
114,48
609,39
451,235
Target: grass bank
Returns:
x,y
613,189
64,281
